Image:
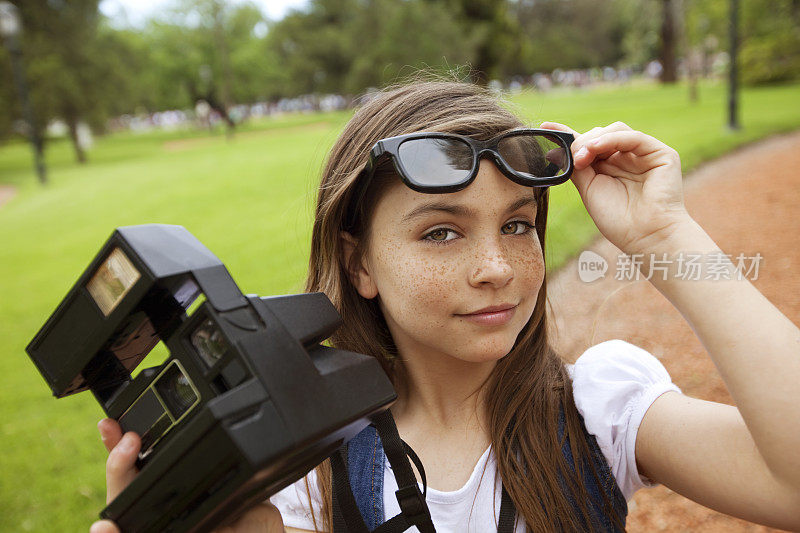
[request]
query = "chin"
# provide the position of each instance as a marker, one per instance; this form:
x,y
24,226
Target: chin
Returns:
x,y
482,352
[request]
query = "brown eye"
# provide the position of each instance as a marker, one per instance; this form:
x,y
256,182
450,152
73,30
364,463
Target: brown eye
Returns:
x,y
438,234
516,227
441,235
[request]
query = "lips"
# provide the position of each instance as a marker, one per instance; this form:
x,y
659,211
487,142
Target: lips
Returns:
x,y
491,309
495,315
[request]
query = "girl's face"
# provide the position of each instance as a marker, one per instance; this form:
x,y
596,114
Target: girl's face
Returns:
x,y
456,274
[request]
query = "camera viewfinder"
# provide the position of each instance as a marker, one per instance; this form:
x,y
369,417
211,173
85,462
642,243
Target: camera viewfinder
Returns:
x,y
112,281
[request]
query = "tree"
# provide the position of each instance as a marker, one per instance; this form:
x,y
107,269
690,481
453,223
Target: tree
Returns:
x,y
770,36
495,34
347,46
69,72
573,34
669,39
81,68
317,47
770,41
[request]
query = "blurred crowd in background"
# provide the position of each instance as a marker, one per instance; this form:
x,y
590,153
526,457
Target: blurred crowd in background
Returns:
x,y
205,63
204,117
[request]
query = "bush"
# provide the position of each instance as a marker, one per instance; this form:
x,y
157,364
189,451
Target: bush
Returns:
x,y
771,59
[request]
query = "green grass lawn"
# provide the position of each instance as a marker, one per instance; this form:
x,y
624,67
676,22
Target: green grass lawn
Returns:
x,y
249,200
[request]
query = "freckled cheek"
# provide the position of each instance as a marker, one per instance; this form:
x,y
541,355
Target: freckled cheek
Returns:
x,y
529,266
432,282
435,287
419,282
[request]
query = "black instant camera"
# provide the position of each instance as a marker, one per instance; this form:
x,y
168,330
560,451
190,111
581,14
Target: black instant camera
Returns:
x,y
248,400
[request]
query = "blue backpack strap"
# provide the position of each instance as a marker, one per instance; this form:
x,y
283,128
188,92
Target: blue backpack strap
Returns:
x,y
365,460
366,463
601,519
358,483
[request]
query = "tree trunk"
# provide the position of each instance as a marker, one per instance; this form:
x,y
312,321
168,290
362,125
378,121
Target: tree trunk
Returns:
x,y
482,64
80,153
216,105
224,57
38,140
669,72
693,60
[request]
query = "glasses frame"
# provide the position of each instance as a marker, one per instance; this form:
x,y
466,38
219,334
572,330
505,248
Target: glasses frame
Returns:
x,y
390,146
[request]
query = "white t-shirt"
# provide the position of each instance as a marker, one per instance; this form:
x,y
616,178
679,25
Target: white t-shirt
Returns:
x,y
614,383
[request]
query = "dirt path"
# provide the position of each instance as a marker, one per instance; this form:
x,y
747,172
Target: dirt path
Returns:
x,y
748,202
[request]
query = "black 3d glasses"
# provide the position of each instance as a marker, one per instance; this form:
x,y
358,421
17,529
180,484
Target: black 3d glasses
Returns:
x,y
433,162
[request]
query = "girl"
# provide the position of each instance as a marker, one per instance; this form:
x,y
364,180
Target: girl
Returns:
x,y
445,284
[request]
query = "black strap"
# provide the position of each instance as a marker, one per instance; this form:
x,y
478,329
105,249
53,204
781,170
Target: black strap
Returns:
x,y
507,513
346,516
413,507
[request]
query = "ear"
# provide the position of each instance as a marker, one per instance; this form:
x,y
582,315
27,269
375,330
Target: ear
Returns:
x,y
356,268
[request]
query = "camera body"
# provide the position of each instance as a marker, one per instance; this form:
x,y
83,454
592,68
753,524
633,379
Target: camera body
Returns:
x,y
248,400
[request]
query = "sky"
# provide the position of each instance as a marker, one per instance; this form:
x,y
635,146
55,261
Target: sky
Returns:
x,y
137,11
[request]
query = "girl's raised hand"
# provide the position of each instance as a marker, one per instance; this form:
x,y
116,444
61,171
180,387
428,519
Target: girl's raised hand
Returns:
x,y
630,183
121,469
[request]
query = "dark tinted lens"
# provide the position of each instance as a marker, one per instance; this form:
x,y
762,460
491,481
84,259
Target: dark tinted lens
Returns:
x,y
536,155
176,391
436,162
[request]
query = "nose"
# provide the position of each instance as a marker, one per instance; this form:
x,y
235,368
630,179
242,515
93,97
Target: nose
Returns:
x,y
491,266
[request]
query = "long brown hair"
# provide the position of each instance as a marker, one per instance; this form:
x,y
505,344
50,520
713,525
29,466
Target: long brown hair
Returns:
x,y
529,386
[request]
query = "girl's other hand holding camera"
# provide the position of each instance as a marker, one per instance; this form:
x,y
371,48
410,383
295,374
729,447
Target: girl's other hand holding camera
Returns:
x,y
121,469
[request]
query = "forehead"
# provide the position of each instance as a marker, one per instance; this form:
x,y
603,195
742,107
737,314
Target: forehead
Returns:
x,y
491,193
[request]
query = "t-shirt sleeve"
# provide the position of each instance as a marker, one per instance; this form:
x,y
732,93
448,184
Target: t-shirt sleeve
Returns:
x,y
294,505
614,384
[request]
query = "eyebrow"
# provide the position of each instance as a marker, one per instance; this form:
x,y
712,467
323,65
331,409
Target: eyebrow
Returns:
x,y
460,210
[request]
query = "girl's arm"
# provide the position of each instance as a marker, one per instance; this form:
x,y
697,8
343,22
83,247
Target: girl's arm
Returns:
x,y
746,461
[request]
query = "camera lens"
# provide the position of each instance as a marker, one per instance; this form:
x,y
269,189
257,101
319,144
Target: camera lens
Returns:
x,y
209,342
176,391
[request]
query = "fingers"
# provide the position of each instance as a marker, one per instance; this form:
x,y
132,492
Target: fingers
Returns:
x,y
104,526
583,146
582,153
558,127
110,432
121,465
582,139
634,142
611,169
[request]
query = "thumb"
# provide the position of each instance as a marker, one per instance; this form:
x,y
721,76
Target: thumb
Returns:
x,y
121,465
583,177
104,526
